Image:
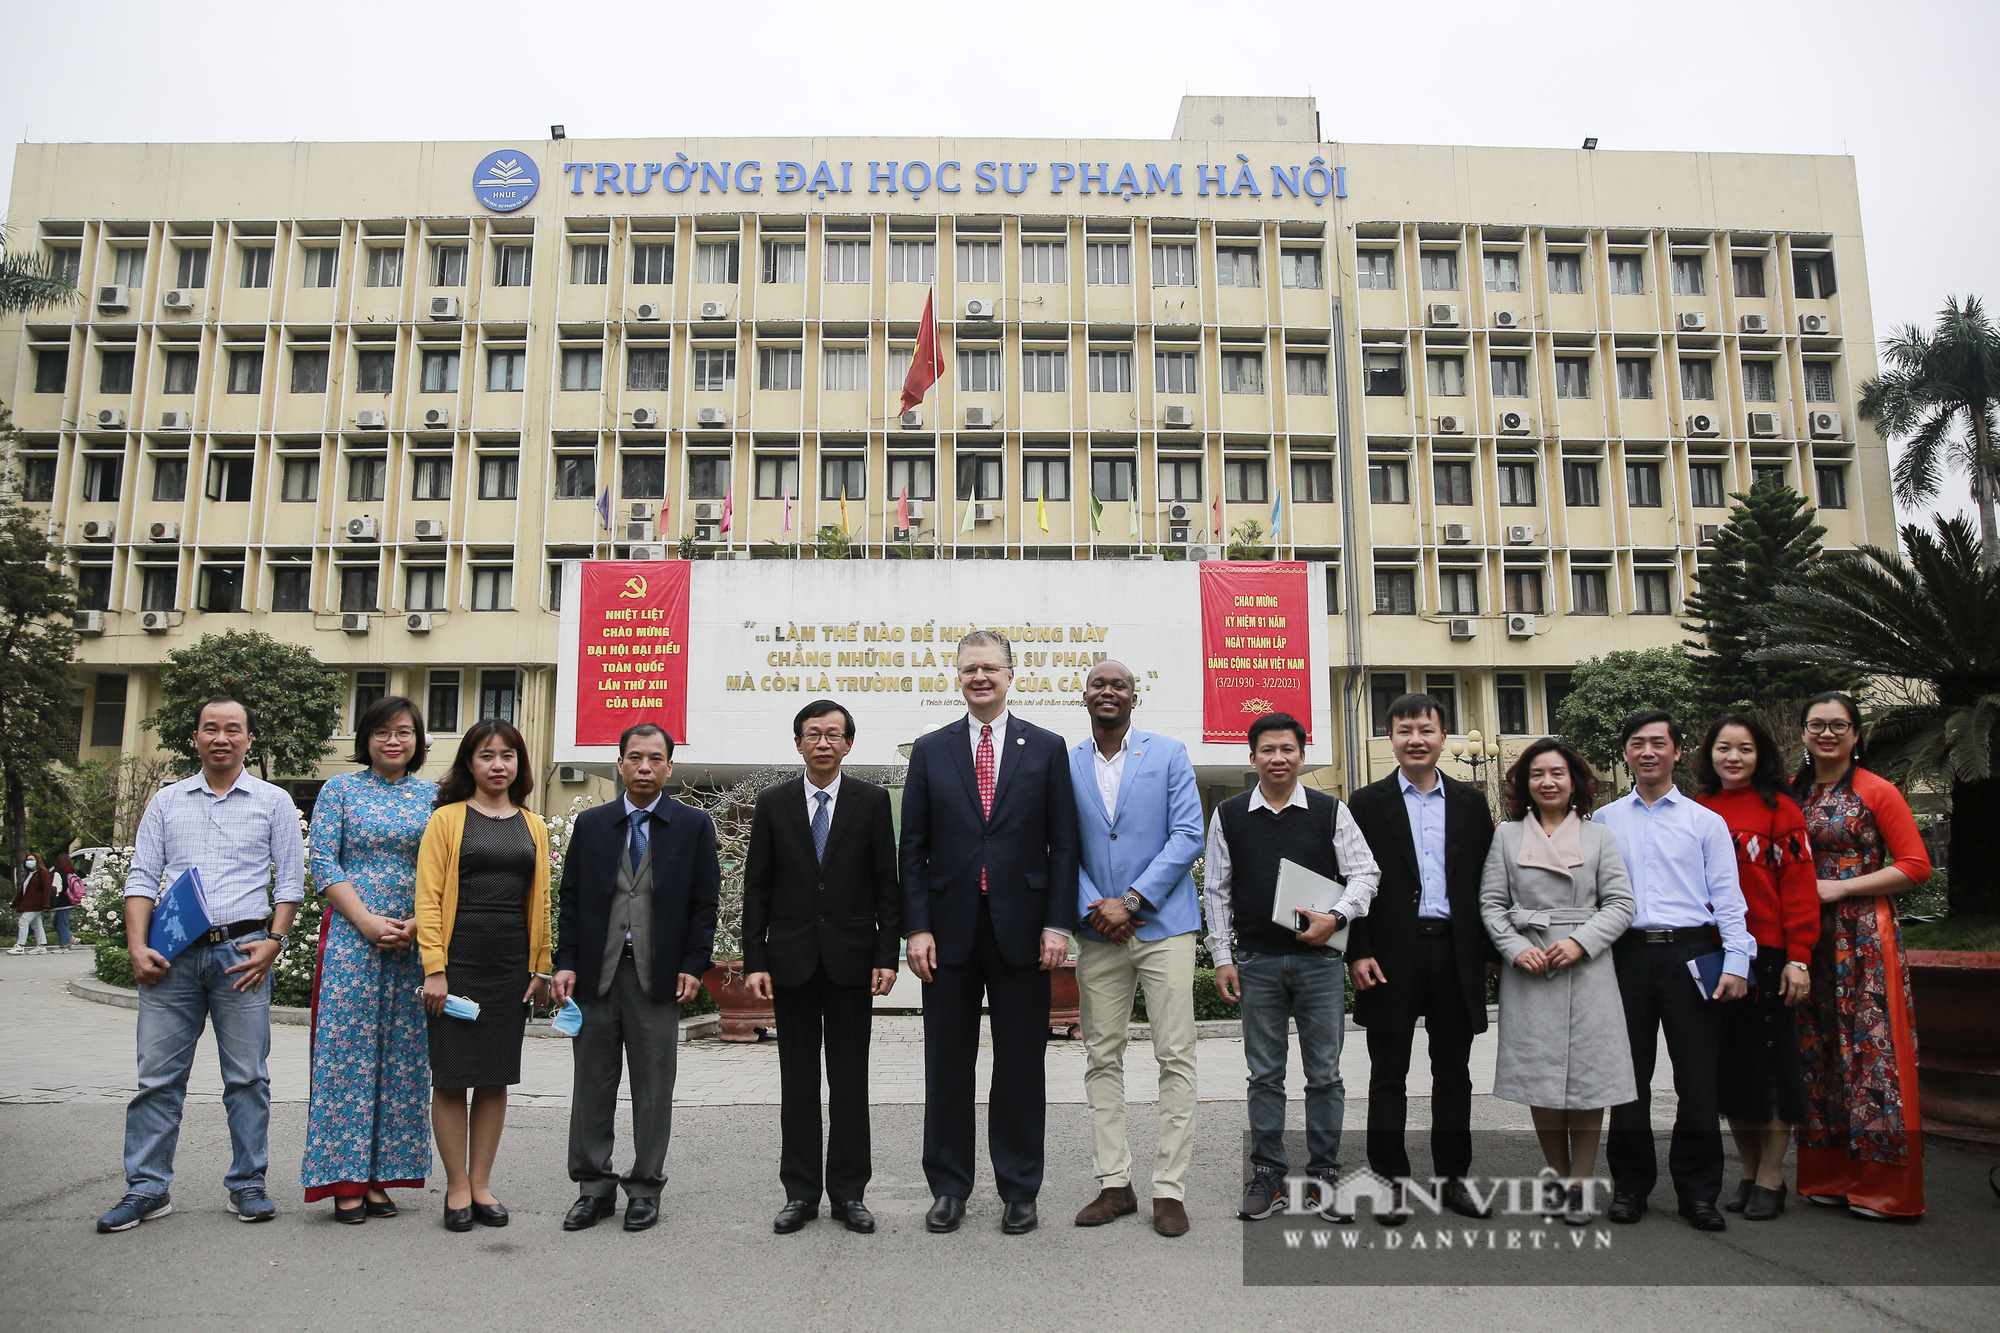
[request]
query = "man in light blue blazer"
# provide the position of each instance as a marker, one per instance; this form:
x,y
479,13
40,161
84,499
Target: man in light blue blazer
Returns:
x,y
1139,830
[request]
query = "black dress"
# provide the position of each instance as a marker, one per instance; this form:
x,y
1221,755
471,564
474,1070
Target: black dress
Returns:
x,y
488,956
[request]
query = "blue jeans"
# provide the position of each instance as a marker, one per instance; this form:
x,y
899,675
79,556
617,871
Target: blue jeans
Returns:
x,y
1277,988
197,987
62,925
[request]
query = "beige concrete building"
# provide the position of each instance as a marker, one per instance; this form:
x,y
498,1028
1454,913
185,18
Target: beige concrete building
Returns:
x,y
369,397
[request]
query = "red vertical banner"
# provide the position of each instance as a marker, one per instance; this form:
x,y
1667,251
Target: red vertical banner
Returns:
x,y
1256,646
631,658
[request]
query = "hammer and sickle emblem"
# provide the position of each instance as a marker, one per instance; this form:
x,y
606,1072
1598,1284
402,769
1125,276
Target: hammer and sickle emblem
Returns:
x,y
634,587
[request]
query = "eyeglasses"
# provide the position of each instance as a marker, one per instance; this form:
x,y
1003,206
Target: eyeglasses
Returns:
x,y
983,670
405,734
822,737
1819,728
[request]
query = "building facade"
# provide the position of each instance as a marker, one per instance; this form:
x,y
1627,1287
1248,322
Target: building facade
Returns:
x,y
371,397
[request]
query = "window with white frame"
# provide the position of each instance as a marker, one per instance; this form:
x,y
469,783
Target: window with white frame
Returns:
x,y
182,367
1517,482
493,587
1044,371
1565,272
644,476
784,262
589,264
1301,268
1572,377
1044,263
1747,275
1107,263
192,267
1698,379
1652,592
423,587
513,265
913,261
1589,592
1521,587
441,702
1451,482
1174,372
1705,485
1510,692
430,477
1236,266
1312,481
320,263
1382,374
1447,376
576,476
1510,376
1819,381
1044,478
979,476
1388,481
979,261
1830,484
846,261
301,480
582,368
256,266
1760,382
1246,481
1688,279
1113,479
1242,372
843,476
385,266
440,372
777,477
979,369
714,369
1375,270
367,477
1635,377
447,265
914,475
652,264
498,692
499,476
246,371
1173,264
715,261
1110,372
169,479
1395,595
1458,592
374,371
1628,275
128,266
1642,485
361,587
1180,480
1438,270
846,369
1502,270
781,368
1305,374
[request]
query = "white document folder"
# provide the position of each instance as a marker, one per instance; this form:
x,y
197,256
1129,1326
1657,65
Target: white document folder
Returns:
x,y
1298,888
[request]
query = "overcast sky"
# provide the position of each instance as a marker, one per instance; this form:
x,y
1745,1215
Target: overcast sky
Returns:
x,y
1905,89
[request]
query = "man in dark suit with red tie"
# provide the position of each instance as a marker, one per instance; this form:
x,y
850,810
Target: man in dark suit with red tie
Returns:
x,y
989,857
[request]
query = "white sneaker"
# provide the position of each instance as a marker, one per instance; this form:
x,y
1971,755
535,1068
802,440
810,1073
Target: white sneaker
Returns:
x,y
17,950
38,949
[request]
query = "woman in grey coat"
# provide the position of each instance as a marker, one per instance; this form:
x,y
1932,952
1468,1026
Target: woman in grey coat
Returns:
x,y
1554,897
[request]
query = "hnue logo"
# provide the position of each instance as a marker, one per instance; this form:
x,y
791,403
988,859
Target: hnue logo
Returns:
x,y
506,180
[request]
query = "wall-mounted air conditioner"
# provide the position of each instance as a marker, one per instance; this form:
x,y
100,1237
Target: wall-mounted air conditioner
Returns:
x,y
1441,314
1754,324
419,622
1513,423
109,418
916,510
1458,534
1178,533
1705,533
979,309
648,311
979,418
1506,319
706,533
1764,425
430,529
1179,513
363,529
638,532
179,300
444,307
1818,325
660,552
984,511
371,418
354,622
1451,424
98,530
155,622
645,418
568,774
1691,321
1824,423
1704,423
1520,534
176,421
1178,416
1520,625
714,310
912,419
711,418
640,512
437,418
1463,628
1197,554
111,297
165,531
708,511
89,622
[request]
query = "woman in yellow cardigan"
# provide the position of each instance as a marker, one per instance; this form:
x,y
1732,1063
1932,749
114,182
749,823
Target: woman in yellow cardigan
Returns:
x,y
483,930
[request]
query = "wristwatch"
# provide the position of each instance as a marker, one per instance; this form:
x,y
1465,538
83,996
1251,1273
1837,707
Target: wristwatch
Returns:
x,y
1800,966
1133,902
283,940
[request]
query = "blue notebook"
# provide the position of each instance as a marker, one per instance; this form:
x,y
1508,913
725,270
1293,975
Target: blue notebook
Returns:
x,y
1707,973
179,917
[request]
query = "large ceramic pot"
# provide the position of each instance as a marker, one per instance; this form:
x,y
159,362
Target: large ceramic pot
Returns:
x,y
744,1016
1065,1002
1958,1044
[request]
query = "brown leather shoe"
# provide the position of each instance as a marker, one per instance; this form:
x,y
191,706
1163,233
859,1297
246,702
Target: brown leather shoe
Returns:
x,y
1109,1205
1170,1217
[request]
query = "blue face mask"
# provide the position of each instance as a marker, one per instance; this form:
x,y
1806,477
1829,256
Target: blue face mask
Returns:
x,y
457,1006
568,1020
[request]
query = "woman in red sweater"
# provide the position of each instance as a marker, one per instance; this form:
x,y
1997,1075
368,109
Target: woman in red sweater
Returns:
x,y
1860,1145
1742,779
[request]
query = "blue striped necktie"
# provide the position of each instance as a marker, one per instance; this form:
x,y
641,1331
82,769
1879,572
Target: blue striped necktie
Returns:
x,y
821,822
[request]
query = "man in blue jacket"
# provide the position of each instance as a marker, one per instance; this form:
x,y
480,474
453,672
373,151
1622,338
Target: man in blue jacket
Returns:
x,y
1139,824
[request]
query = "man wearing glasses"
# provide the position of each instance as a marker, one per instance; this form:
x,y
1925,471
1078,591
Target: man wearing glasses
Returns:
x,y
821,907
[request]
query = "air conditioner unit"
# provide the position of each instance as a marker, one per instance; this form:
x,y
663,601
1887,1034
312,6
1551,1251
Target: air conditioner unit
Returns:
x,y
1764,424
1754,324
113,297
110,418
979,418
419,622
1513,423
362,529
984,511
1177,417
89,622
640,512
1520,625
180,300
705,533
371,418
1441,314
1463,628
569,774
1824,424
644,417
1520,534
1705,533
154,622
1177,533
1198,554
660,552
916,510
354,622
176,421
1691,321
638,532
1458,534
437,418
1179,513
711,417
167,531
1506,319
98,530
912,419
1451,424
979,310
708,511
1704,423
1818,324
648,311
444,307
430,529
714,310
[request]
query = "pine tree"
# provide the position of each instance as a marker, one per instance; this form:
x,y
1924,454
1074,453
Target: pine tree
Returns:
x,y
1770,535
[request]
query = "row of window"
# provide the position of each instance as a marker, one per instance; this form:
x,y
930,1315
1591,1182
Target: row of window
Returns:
x,y
1511,695
1458,591
220,589
499,696
1451,483
1445,375
1438,271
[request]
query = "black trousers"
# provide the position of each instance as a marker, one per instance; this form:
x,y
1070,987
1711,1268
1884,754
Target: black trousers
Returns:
x,y
1660,995
839,1017
1018,998
1432,991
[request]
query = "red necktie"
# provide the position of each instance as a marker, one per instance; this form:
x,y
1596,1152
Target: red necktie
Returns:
x,y
982,769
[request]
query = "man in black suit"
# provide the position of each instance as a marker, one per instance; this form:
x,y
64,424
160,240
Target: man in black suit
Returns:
x,y
989,901
820,910
1422,951
637,918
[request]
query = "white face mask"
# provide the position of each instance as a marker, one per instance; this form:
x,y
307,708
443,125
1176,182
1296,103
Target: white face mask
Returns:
x,y
31,864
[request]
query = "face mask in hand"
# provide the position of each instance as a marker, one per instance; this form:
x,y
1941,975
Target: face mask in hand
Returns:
x,y
568,1020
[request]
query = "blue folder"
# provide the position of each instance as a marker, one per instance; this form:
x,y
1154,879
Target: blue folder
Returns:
x,y
180,916
1707,973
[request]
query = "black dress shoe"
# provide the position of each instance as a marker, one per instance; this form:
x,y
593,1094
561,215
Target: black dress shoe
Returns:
x,y
1626,1208
352,1216
1703,1215
489,1214
385,1208
1459,1199
587,1212
457,1219
794,1215
1018,1219
1764,1204
1743,1189
855,1215
945,1214
641,1213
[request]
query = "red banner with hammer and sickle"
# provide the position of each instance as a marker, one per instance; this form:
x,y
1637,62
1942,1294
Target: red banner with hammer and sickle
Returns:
x,y
631,664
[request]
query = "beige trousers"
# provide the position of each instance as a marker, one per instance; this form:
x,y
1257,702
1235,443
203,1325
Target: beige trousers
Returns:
x,y
1108,976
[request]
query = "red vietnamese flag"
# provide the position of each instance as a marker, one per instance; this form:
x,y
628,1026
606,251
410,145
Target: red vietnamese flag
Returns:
x,y
1217,508
926,365
903,510
728,507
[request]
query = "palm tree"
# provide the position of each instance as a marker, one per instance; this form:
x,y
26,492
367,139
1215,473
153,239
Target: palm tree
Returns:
x,y
30,282
1932,381
1932,621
